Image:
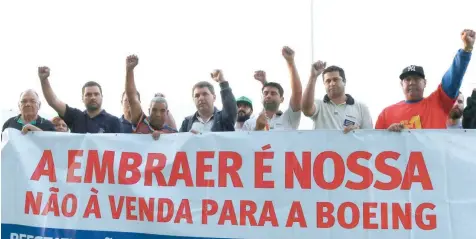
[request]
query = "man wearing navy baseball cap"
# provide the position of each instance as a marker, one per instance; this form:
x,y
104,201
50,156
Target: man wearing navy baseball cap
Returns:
x,y
418,112
245,109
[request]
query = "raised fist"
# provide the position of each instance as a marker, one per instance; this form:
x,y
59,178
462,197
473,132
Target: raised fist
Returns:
x,y
131,62
288,53
261,121
468,36
260,76
217,75
43,72
317,68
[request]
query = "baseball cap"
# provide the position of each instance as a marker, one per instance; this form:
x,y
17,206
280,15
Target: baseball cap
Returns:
x,y
412,70
244,99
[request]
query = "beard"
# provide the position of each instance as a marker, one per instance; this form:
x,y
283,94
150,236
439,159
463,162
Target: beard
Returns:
x,y
271,106
92,107
456,113
242,117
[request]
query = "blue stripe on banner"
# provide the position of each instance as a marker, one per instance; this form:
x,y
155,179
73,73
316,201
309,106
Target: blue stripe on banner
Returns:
x,y
12,231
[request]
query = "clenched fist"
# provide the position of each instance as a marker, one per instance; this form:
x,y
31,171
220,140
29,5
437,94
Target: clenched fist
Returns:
x,y
217,75
468,39
318,68
260,76
43,72
288,53
261,121
131,62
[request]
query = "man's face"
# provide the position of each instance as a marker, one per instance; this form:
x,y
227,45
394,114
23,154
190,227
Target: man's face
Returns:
x,y
157,113
125,104
271,98
244,111
458,107
413,87
29,103
61,126
92,98
203,98
334,84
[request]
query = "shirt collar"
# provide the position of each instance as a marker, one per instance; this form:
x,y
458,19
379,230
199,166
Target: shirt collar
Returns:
x,y
196,115
102,113
34,122
350,100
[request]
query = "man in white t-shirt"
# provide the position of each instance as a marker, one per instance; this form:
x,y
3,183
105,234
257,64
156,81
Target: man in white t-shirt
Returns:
x,y
337,110
272,95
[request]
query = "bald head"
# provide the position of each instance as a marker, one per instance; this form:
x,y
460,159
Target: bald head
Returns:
x,y
29,103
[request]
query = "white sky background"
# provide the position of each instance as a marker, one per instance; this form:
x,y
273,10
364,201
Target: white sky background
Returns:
x,y
180,42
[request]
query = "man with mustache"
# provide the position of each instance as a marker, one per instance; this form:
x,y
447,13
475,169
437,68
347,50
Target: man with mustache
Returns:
x,y
337,110
456,114
93,120
245,110
272,96
417,112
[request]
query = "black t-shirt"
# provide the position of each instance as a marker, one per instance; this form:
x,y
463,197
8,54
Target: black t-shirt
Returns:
x,y
17,123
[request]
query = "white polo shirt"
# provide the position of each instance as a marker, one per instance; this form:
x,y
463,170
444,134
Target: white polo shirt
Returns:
x,y
332,116
289,120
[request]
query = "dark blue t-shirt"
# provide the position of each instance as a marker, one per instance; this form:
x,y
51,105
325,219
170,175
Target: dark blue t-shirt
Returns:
x,y
80,122
126,125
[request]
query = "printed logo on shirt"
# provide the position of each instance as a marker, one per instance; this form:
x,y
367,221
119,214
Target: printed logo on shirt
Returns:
x,y
413,123
101,130
348,122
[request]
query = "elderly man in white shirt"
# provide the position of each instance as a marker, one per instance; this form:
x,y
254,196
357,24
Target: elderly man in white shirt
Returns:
x,y
272,95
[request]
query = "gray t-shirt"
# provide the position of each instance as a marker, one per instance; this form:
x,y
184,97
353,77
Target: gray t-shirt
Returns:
x,y
331,116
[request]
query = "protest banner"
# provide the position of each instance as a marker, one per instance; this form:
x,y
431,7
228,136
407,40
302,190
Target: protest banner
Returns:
x,y
294,184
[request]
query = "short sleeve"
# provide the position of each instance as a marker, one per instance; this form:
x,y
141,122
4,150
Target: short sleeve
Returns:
x,y
116,125
71,115
5,125
293,118
366,117
317,105
381,123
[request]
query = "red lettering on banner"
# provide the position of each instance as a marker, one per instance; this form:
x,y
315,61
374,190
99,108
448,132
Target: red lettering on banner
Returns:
x,y
100,168
296,214
143,209
73,165
261,169
33,204
327,217
203,168
305,170
46,167
228,214
231,170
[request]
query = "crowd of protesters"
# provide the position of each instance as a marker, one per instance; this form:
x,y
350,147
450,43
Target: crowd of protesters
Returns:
x,y
444,108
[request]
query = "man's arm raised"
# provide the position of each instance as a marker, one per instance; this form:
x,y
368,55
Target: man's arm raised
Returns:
x,y
229,110
451,82
308,106
48,93
131,90
296,86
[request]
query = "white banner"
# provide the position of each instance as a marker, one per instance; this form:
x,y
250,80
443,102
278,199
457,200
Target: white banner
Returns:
x,y
293,184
